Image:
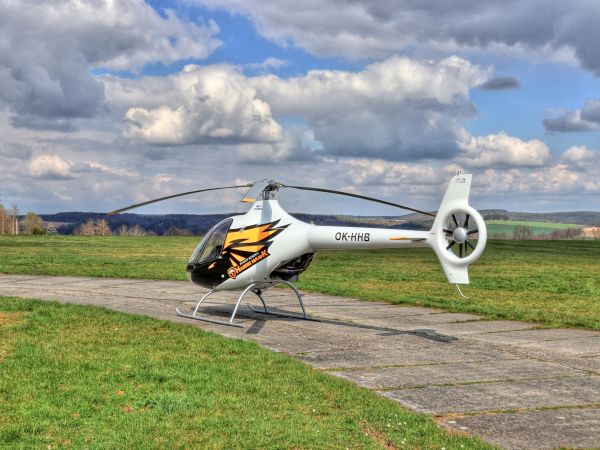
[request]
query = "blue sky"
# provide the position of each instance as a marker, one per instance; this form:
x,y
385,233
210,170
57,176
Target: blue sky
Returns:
x,y
145,99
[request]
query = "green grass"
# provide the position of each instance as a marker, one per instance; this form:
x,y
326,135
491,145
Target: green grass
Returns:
x,y
507,226
556,283
86,377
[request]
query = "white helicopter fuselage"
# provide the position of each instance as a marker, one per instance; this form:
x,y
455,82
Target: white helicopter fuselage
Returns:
x,y
267,244
301,238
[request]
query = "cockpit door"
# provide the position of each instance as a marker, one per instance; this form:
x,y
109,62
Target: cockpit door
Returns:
x,y
211,247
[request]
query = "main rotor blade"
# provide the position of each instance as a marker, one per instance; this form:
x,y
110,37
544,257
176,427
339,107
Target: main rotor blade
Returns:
x,y
137,205
363,197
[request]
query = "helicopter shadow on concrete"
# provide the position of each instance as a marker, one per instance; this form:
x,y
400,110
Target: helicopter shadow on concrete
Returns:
x,y
260,320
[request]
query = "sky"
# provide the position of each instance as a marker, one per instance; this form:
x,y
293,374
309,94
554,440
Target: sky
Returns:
x,y
108,103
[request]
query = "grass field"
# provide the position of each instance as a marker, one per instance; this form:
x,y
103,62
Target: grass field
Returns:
x,y
507,227
556,283
85,377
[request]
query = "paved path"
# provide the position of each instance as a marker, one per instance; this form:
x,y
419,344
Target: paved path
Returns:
x,y
513,384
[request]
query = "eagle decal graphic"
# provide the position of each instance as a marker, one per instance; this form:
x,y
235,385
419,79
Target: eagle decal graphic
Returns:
x,y
244,247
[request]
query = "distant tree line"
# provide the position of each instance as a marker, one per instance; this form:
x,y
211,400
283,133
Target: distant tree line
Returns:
x,y
31,223
180,224
496,216
97,224
101,227
136,224
525,233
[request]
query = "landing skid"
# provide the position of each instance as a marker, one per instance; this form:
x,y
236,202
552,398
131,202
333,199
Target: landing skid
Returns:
x,y
258,292
206,319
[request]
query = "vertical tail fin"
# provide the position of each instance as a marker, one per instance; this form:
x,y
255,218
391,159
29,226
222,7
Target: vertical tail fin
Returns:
x,y
458,235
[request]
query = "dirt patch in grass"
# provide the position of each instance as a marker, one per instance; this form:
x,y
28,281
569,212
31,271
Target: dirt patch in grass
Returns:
x,y
8,319
11,318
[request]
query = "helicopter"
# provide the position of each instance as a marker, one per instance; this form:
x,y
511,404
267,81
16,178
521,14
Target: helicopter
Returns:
x,y
266,246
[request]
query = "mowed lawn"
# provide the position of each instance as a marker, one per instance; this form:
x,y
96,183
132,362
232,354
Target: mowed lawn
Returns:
x,y
76,376
556,283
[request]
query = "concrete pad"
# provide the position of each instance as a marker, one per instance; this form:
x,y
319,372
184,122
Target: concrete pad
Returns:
x,y
483,326
352,313
17,278
66,281
590,363
500,396
403,311
363,356
569,428
454,373
375,311
526,336
132,292
424,319
580,347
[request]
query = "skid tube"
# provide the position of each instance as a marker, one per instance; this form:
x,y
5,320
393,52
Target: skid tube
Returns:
x,y
265,310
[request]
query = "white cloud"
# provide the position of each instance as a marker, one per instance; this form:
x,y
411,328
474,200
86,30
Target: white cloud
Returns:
x,y
568,178
213,104
291,147
50,167
15,150
558,179
396,109
49,49
501,149
367,29
269,63
582,158
384,173
585,119
392,129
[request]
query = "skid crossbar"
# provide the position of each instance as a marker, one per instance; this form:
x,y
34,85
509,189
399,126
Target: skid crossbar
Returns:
x,y
256,288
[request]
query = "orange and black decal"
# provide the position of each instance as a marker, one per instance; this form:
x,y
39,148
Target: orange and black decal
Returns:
x,y
244,247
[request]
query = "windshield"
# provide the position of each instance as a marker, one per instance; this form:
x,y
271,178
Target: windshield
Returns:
x,y
211,246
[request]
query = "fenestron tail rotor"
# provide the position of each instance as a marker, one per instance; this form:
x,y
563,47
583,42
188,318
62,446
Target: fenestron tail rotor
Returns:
x,y
156,200
459,236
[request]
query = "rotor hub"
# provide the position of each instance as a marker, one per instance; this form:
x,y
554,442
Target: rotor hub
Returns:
x,y
460,235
